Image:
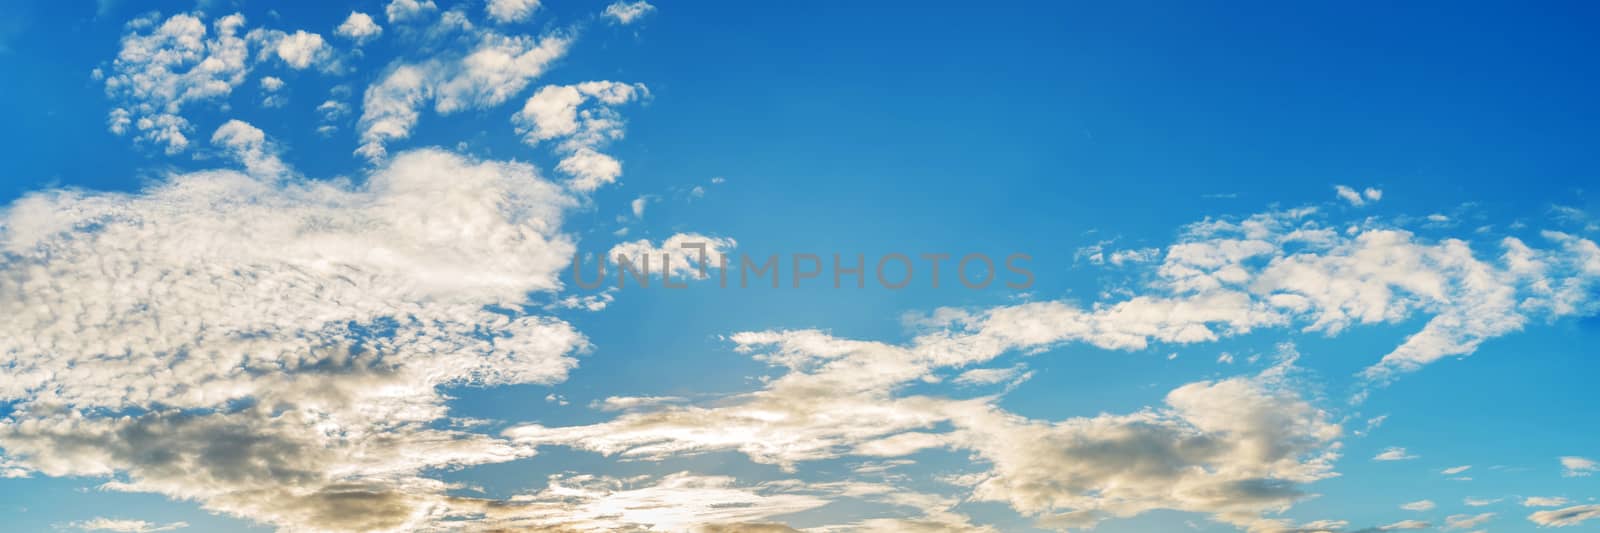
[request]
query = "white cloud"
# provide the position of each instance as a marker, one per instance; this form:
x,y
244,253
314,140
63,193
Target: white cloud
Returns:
x,y
124,526
638,206
1544,501
1570,516
687,254
1261,439
1420,505
625,13
676,502
174,64
1099,254
589,169
507,11
1465,521
621,403
1358,198
1578,466
558,113
1455,470
498,68
301,48
358,27
249,146
1405,525
1393,453
271,87
1479,502
408,10
275,349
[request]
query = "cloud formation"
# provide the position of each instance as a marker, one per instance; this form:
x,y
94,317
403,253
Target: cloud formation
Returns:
x,y
579,120
359,27
272,347
497,68
625,13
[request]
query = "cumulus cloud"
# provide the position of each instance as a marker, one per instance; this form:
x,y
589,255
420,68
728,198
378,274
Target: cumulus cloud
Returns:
x,y
1235,448
497,68
271,87
124,526
359,27
1358,198
300,48
1262,441
408,10
579,120
1567,517
507,11
274,348
165,66
627,12
689,255
1573,466
248,145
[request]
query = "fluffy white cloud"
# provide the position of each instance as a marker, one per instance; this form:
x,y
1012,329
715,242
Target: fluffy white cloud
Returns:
x,y
686,255
625,13
496,69
1358,198
1234,448
557,113
1455,470
118,525
271,87
166,66
274,348
358,27
248,145
1405,525
408,10
1570,516
1573,466
506,11
300,48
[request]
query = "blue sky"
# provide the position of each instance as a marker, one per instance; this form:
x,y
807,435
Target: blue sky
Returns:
x,y
1311,267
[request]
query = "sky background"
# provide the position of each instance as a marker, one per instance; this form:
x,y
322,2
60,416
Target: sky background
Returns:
x,y
1057,130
